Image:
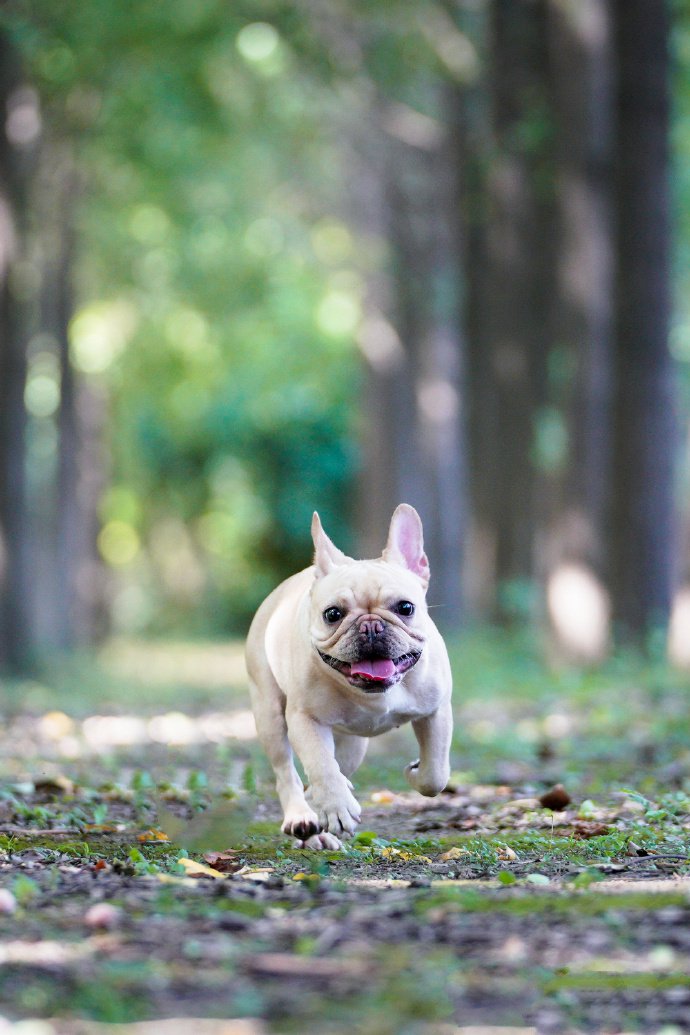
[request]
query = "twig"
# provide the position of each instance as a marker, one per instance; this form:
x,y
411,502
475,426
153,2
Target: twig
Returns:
x,y
11,829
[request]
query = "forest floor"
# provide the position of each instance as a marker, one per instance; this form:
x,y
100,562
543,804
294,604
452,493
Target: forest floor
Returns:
x,y
143,875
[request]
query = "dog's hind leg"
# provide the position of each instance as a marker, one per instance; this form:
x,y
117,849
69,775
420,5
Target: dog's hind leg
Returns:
x,y
299,820
349,752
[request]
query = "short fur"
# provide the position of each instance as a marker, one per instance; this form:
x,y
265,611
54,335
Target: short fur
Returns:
x,y
306,699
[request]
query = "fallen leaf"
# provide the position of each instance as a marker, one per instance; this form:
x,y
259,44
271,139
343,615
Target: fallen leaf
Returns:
x,y
153,835
556,798
259,876
224,862
402,855
453,853
506,854
195,869
586,828
383,797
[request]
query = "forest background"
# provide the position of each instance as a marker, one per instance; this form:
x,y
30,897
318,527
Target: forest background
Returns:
x,y
267,257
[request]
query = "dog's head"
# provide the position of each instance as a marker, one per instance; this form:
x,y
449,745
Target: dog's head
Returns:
x,y
369,618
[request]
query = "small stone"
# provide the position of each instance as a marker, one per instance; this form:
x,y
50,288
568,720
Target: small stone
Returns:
x,y
102,915
8,902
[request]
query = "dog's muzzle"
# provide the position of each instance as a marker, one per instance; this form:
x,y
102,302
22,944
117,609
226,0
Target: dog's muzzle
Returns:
x,y
373,674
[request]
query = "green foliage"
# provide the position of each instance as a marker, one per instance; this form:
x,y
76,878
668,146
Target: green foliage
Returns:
x,y
219,293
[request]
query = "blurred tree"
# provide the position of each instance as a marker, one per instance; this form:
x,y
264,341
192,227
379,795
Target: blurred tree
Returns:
x,y
645,429
413,447
582,102
508,191
18,111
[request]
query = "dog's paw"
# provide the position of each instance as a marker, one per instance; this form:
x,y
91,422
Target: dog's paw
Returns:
x,y
339,812
320,842
302,824
428,783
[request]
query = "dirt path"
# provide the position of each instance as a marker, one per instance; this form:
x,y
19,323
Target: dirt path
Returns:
x,y
483,910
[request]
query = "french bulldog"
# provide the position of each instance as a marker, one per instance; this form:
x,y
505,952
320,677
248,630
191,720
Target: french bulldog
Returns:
x,y
341,652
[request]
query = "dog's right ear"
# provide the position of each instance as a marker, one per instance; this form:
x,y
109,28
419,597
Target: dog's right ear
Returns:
x,y
405,544
327,556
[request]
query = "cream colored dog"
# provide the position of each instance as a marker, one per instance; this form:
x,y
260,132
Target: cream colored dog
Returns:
x,y
339,653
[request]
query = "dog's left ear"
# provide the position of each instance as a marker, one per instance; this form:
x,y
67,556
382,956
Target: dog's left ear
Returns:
x,y
405,544
327,556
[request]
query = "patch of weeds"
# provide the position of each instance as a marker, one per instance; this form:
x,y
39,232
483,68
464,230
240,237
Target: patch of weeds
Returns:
x,y
25,890
152,859
117,997
143,789
38,815
197,787
249,781
465,899
114,996
366,845
99,814
598,981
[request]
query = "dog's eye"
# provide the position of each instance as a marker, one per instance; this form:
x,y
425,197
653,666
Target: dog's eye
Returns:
x,y
332,615
404,608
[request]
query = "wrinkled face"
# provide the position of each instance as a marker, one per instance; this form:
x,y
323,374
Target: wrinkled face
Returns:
x,y
367,623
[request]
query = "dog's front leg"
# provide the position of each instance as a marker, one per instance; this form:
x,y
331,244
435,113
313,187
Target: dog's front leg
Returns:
x,y
329,792
429,774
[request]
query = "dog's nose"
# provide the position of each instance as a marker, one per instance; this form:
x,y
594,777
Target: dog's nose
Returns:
x,y
370,628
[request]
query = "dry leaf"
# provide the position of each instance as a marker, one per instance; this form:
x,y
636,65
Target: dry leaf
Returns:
x,y
585,828
506,854
259,876
383,797
224,862
195,869
453,853
556,798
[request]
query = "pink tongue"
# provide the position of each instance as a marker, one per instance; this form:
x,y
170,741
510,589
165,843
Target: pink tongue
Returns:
x,y
373,668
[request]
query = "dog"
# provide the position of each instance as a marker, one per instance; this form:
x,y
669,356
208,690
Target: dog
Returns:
x,y
341,652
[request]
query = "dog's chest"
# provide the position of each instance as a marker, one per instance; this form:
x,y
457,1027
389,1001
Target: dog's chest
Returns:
x,y
363,722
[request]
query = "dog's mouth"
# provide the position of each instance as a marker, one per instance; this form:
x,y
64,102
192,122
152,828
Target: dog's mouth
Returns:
x,y
374,675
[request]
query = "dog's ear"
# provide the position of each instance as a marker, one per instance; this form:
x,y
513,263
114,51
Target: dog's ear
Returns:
x,y
327,556
405,544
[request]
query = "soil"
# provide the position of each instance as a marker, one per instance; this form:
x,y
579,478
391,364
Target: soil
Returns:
x,y
482,910
385,937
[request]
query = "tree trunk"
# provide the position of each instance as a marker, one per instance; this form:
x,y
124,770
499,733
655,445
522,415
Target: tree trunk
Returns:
x,y
15,637
645,432
412,435
582,100
508,203
427,287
